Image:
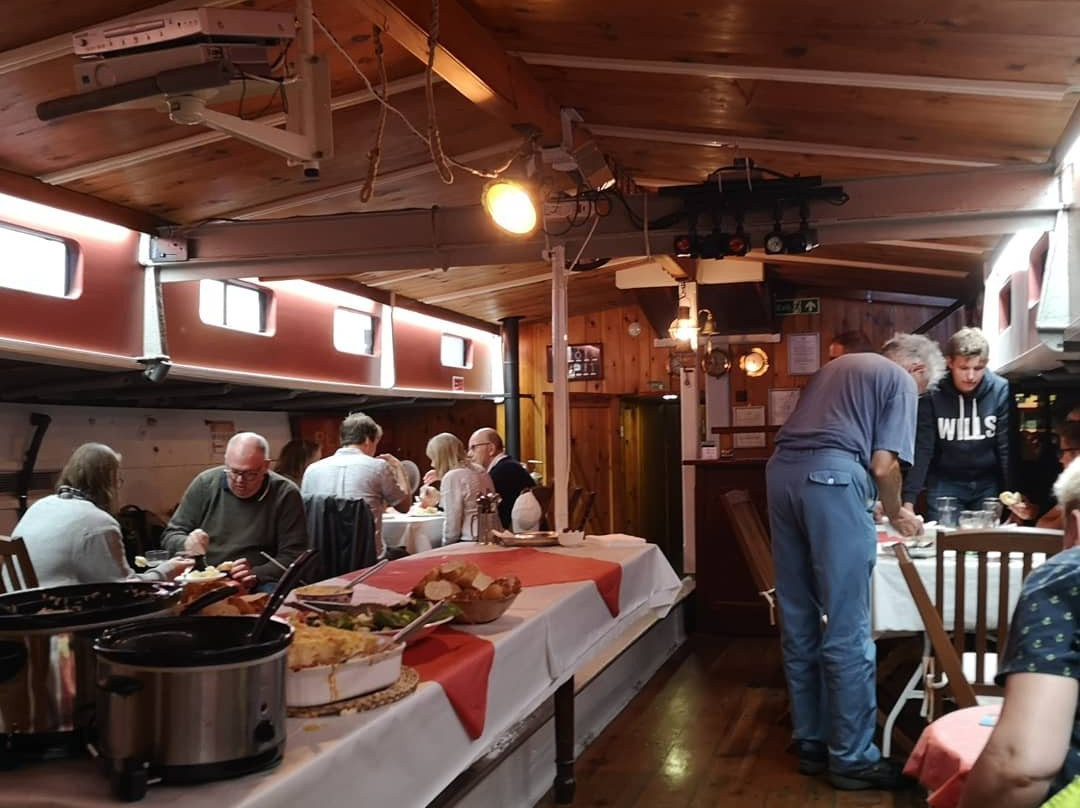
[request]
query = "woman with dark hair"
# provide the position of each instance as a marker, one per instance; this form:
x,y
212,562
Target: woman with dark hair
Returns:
x,y
295,457
72,537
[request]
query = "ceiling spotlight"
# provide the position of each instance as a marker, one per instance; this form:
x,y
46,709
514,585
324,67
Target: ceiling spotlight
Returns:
x,y
510,206
754,362
738,243
774,242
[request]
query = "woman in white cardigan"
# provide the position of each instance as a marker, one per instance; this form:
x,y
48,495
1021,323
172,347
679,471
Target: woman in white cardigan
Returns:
x,y
461,482
72,537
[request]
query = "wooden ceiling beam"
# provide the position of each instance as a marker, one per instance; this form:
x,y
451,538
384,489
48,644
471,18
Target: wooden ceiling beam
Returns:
x,y
32,190
472,61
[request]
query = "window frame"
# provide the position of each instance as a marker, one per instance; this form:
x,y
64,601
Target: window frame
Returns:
x,y
374,331
72,288
266,297
466,351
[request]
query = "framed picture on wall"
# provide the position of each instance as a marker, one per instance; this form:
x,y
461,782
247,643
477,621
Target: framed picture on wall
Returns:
x,y
584,362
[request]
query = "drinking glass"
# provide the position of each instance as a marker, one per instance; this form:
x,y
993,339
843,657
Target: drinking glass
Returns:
x,y
994,507
155,557
971,520
947,508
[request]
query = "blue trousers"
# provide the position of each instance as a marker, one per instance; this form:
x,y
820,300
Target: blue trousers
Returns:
x,y
824,549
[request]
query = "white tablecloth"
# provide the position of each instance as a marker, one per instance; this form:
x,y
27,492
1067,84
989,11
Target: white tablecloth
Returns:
x,y
892,609
404,754
417,534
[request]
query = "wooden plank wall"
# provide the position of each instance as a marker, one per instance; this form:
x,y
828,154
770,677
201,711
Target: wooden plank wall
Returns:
x,y
878,320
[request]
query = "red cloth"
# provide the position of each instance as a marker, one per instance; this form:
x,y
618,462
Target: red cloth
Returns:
x,y
461,663
946,752
533,567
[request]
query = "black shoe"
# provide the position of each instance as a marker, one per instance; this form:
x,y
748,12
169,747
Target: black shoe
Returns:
x,y
881,776
813,759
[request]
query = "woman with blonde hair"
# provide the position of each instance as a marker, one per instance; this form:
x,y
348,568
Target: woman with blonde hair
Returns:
x,y
72,536
461,483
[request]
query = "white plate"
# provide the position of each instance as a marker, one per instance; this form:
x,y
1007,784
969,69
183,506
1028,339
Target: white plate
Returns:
x,y
325,684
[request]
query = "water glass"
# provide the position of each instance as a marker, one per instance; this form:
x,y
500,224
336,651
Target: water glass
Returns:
x,y
155,557
947,509
994,507
971,520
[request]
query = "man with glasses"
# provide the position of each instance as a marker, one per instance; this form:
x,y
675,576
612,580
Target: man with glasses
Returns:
x,y
508,475
1068,442
239,511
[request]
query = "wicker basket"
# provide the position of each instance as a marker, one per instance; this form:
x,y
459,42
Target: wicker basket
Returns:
x,y
482,611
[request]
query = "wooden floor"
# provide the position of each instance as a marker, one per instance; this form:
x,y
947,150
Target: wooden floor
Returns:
x,y
709,731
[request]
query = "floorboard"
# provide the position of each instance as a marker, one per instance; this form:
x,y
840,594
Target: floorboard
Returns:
x,y
709,731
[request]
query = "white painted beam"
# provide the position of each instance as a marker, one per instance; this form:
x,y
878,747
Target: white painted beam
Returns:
x,y
180,145
742,143
1035,91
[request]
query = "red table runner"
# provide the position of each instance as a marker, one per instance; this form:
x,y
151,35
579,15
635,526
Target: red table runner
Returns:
x,y
533,567
461,663
946,752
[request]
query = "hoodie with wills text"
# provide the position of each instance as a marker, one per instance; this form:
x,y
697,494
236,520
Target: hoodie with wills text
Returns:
x,y
961,437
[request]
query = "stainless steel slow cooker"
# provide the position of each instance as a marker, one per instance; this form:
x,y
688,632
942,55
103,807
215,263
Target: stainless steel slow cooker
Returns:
x,y
47,665
188,699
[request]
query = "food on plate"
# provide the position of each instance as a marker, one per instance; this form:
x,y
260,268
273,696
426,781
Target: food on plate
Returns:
x,y
400,614
211,573
1010,498
226,566
140,561
316,643
233,606
416,510
331,592
464,581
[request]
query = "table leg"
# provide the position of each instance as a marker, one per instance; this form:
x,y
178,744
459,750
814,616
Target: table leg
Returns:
x,y
564,743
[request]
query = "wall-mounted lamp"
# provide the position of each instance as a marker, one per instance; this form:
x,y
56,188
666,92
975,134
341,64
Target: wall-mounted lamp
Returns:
x,y
510,205
684,327
754,362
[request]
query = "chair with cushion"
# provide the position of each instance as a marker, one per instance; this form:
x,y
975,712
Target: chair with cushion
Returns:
x,y
16,571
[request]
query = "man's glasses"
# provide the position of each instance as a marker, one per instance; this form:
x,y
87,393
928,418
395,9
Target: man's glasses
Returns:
x,y
481,443
246,476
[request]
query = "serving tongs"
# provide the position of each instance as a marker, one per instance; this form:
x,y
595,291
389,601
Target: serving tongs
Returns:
x,y
365,574
277,597
437,611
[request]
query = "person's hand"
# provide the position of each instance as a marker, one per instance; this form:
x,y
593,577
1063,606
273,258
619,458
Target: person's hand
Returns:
x,y
907,523
1024,510
241,574
879,512
197,541
431,476
173,568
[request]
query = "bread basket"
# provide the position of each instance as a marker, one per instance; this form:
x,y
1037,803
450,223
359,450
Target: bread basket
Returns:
x,y
482,611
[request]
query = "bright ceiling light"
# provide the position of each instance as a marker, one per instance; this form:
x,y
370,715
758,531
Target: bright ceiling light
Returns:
x,y
510,206
684,328
754,362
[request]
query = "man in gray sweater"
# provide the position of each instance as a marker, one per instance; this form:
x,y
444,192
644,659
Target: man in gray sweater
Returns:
x,y
237,511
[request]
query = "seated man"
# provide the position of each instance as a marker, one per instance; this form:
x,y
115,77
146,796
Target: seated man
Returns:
x,y
508,475
238,511
1034,751
354,472
1068,449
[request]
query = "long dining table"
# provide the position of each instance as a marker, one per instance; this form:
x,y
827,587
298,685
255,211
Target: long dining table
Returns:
x,y
574,603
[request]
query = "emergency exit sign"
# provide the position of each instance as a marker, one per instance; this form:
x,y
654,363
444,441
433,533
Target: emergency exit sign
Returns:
x,y
797,305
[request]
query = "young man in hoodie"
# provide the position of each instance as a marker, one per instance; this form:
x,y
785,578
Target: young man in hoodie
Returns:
x,y
962,439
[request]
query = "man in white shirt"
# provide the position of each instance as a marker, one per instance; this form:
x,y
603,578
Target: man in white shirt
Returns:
x,y
355,473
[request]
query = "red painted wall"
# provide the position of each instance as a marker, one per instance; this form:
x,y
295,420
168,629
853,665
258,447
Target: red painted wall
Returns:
x,y
104,313
417,355
300,342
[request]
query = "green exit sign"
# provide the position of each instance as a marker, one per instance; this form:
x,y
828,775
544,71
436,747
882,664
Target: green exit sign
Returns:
x,y
797,305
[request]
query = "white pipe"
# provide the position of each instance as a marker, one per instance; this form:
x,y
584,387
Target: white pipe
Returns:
x,y
560,431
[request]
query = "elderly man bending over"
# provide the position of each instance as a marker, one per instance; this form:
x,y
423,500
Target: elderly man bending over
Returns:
x,y
1034,751
240,510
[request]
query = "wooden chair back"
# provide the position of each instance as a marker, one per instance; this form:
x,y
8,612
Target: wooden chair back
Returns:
x,y
585,505
16,571
753,538
545,495
994,550
948,659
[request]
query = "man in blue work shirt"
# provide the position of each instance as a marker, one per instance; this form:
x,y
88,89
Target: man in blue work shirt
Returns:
x,y
841,449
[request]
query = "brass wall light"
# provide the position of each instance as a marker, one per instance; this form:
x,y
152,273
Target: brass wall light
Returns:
x,y
754,363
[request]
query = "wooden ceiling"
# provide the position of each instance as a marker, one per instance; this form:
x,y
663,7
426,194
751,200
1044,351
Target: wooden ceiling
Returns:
x,y
638,105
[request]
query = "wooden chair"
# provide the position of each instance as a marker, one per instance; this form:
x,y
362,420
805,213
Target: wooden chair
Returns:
x,y
1009,545
585,505
15,566
754,542
545,495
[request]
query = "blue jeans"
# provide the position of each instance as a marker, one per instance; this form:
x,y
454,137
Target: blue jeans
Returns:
x,y
824,550
969,494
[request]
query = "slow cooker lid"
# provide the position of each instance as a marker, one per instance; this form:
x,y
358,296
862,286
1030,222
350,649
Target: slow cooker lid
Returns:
x,y
186,642
67,607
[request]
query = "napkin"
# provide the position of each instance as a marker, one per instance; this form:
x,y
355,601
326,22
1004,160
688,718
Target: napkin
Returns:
x,y
616,540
